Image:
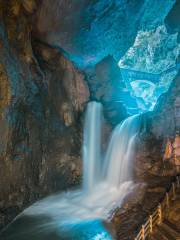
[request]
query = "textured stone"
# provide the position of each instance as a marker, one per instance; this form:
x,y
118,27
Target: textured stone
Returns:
x,y
165,119
5,100
29,5
88,31
41,99
5,90
106,85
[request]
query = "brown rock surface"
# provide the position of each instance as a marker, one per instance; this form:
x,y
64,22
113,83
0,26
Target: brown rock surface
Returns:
x,y
174,213
41,102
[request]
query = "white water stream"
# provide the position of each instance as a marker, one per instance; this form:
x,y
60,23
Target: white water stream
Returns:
x,y
106,182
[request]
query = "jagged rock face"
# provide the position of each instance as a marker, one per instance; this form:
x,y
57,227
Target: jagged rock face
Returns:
x,y
160,124
90,30
68,96
106,85
165,120
42,100
172,20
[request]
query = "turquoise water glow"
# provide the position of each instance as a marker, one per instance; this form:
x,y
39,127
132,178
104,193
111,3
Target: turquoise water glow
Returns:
x,y
44,228
86,230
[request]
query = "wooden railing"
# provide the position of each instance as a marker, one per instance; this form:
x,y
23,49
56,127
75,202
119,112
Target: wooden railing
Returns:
x,y
160,213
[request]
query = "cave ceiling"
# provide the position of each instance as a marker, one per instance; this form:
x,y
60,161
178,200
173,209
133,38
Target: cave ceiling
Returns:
x,y
87,31
139,34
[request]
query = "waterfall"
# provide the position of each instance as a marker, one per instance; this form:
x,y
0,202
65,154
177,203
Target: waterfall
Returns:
x,y
117,165
106,181
91,146
120,152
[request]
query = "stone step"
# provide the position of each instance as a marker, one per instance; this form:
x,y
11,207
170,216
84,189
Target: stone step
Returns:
x,y
171,225
152,237
166,235
165,232
159,235
171,228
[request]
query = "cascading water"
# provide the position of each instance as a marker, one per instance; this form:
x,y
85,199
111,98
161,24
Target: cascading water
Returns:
x,y
119,156
105,183
91,146
117,165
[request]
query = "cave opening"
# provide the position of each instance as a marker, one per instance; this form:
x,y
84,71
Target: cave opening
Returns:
x,y
150,65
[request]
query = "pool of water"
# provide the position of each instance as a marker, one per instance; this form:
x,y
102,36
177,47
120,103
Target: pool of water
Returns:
x,y
45,228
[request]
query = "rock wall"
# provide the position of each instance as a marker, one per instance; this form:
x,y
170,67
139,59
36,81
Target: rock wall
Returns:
x,y
42,98
106,86
159,125
91,30
165,120
162,123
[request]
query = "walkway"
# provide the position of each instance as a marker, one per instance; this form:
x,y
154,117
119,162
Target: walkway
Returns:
x,y
164,222
169,229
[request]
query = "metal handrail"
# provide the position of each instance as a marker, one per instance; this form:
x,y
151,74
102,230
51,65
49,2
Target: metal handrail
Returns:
x,y
157,216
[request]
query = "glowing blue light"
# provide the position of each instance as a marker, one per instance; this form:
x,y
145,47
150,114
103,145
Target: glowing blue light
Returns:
x,y
151,59
85,230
